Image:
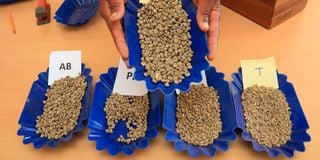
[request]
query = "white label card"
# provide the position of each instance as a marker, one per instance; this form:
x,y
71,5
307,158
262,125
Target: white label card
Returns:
x,y
262,72
203,81
125,83
64,63
144,1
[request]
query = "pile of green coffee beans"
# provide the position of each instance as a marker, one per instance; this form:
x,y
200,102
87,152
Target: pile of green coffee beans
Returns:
x,y
198,115
163,28
133,110
62,107
267,115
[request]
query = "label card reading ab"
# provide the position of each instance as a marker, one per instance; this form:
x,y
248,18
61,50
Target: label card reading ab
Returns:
x,y
203,81
125,83
64,63
262,72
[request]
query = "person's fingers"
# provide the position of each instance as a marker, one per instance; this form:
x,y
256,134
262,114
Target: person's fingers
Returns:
x,y
119,38
114,24
195,2
105,10
214,29
117,9
203,13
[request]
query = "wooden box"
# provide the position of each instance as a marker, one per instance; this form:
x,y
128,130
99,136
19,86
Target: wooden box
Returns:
x,y
268,13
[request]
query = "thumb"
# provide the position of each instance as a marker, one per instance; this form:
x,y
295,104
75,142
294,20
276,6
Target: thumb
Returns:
x,y
203,13
117,9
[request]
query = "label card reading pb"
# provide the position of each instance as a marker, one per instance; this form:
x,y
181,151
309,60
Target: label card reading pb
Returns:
x,y
262,72
125,83
64,63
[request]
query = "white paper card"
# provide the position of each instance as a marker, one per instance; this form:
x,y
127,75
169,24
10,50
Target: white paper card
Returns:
x,y
262,72
125,83
64,63
144,1
203,81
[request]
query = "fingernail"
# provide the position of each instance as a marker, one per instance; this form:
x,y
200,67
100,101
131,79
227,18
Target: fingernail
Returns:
x,y
206,23
127,63
211,57
213,53
113,15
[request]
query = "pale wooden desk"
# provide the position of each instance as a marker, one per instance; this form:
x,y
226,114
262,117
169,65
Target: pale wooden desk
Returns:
x,y
295,45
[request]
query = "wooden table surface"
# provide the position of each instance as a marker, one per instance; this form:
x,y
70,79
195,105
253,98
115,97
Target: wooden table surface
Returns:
x,y
295,44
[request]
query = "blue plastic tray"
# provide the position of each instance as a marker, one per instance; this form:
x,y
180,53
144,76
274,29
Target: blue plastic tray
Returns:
x,y
199,47
7,1
34,107
299,133
215,80
98,122
76,12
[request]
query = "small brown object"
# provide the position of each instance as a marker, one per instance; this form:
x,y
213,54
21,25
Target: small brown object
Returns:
x,y
198,115
133,110
267,115
62,107
268,13
163,28
43,12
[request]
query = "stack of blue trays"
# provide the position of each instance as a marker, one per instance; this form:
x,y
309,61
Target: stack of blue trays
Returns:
x,y
76,12
7,1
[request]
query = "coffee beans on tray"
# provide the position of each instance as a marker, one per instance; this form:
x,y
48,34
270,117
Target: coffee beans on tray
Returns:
x,y
198,115
267,115
133,110
62,107
163,28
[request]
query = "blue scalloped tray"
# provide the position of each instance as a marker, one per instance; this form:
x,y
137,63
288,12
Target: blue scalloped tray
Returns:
x,y
76,12
199,47
98,123
34,107
300,125
7,1
214,79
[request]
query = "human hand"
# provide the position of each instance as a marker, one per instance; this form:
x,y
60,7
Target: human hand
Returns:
x,y
208,19
112,11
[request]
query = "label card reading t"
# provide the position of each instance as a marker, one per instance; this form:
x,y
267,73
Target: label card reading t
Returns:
x,y
262,72
64,63
125,83
144,1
